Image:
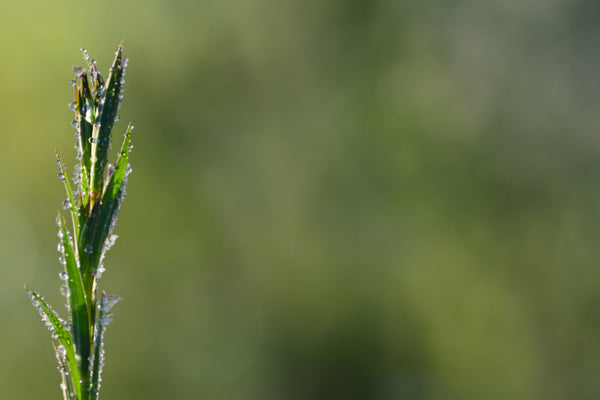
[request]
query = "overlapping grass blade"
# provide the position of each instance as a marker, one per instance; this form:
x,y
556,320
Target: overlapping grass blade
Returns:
x,y
101,221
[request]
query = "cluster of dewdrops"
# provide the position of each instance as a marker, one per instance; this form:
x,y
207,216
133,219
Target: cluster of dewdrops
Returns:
x,y
79,71
66,204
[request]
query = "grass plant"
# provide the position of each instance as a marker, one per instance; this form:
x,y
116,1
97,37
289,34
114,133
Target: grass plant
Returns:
x,y
94,197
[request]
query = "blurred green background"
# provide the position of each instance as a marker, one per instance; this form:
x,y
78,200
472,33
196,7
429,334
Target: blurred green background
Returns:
x,y
341,199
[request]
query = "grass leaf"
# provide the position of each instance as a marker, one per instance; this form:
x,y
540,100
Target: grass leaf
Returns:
x,y
71,200
79,308
104,214
94,209
57,326
108,104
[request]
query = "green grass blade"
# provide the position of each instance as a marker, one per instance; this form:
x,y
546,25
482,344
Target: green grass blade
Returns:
x,y
94,199
57,327
80,329
103,217
105,303
66,384
108,104
85,111
62,172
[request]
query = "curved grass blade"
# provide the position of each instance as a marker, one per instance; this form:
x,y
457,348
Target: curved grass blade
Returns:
x,y
57,327
80,328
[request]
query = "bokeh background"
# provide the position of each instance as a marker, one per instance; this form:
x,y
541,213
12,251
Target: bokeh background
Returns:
x,y
340,199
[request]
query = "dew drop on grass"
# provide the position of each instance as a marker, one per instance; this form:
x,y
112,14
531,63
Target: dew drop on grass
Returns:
x,y
63,276
110,242
88,248
97,273
77,70
72,83
66,204
72,105
64,290
108,301
74,124
61,176
61,352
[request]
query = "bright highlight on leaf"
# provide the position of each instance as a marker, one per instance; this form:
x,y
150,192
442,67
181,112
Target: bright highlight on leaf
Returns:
x,y
93,201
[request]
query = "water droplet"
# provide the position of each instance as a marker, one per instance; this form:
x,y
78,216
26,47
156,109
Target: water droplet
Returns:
x,y
92,140
77,70
86,57
72,83
88,249
63,276
128,169
64,290
110,241
61,176
66,204
108,301
131,128
117,118
74,124
72,105
97,273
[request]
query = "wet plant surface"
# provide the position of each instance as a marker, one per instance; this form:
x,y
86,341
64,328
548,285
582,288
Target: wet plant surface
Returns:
x,y
93,204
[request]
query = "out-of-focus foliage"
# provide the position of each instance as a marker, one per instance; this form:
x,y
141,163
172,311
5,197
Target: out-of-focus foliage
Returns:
x,y
331,199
